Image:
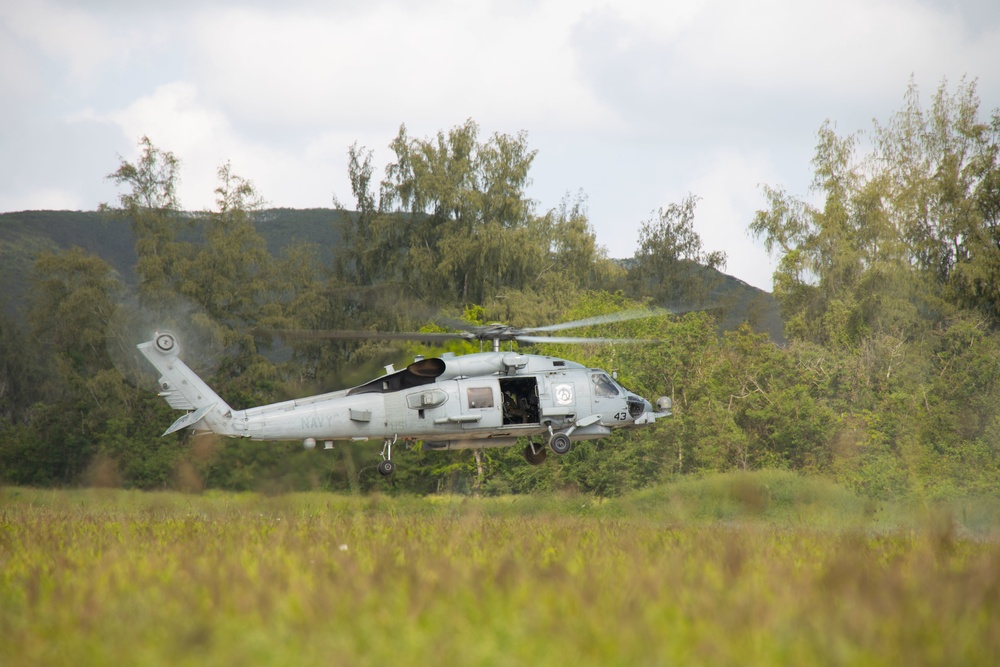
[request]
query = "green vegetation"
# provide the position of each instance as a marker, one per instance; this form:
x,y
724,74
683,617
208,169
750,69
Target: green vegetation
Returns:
x,y
888,383
109,577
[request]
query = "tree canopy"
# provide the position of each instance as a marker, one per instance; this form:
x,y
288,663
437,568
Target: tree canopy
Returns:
x,y
889,288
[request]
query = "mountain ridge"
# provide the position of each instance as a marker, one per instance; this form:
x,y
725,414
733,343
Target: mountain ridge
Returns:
x,y
24,235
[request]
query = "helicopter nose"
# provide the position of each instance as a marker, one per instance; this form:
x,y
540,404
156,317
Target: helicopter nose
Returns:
x,y
637,405
648,414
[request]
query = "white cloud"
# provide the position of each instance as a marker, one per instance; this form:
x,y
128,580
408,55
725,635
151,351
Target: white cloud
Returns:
x,y
749,65
726,182
176,118
19,76
78,41
729,189
400,63
636,102
43,199
174,115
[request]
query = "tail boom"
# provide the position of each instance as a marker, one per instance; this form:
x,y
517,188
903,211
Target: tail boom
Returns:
x,y
184,390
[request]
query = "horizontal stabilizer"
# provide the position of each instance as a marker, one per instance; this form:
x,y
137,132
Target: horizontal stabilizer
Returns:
x,y
174,398
190,419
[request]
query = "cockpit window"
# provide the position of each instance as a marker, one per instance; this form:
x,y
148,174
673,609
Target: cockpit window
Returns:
x,y
604,386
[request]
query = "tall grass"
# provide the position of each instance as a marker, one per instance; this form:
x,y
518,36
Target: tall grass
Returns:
x,y
761,569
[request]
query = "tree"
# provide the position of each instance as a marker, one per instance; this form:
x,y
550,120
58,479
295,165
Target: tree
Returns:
x,y
451,225
883,276
821,260
22,373
670,263
231,276
977,277
371,249
73,297
575,253
943,167
468,233
903,238
958,425
153,210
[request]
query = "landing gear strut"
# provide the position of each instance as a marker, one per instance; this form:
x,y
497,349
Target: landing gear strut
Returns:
x,y
535,454
386,467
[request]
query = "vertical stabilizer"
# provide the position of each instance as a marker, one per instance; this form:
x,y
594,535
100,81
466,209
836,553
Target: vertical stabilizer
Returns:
x,y
184,390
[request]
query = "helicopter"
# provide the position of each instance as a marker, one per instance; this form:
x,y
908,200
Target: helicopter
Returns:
x,y
485,399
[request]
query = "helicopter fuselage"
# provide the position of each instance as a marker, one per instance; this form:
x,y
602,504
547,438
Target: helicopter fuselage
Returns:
x,y
450,402
484,400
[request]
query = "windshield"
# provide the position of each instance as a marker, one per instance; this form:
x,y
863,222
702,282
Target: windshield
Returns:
x,y
604,386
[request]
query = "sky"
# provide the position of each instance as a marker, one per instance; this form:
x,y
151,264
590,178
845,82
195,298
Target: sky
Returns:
x,y
633,103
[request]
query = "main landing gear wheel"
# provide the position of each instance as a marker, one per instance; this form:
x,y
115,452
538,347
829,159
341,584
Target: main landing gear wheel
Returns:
x,y
560,443
535,454
386,467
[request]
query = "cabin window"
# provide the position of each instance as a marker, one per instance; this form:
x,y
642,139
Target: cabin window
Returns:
x,y
604,386
480,397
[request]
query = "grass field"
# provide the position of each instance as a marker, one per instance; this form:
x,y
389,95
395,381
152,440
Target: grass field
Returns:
x,y
765,569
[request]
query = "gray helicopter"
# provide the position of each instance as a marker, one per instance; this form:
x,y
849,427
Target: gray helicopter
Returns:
x,y
486,399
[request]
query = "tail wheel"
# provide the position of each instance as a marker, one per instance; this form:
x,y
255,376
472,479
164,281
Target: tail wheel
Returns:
x,y
535,454
560,443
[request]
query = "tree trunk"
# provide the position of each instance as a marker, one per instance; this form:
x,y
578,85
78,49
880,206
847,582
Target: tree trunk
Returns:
x,y
478,454
352,470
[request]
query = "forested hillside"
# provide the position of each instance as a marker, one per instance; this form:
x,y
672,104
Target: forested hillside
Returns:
x,y
24,235
889,380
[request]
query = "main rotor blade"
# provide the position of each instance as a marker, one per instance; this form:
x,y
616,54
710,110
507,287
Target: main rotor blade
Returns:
x,y
493,332
609,318
578,340
309,334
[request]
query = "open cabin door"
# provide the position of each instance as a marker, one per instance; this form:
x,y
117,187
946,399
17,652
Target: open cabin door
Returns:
x,y
520,400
